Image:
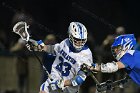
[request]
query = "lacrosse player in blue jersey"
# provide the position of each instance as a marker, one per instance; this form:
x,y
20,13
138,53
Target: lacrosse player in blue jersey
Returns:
x,y
71,53
122,50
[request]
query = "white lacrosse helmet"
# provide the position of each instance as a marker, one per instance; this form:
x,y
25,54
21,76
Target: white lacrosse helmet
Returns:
x,y
77,35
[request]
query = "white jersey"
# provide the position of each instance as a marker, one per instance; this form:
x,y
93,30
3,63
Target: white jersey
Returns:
x,y
68,63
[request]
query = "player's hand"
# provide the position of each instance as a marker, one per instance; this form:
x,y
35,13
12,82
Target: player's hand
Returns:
x,y
55,85
95,67
35,45
29,47
86,68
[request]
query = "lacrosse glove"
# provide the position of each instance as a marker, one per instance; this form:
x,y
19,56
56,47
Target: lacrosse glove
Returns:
x,y
35,45
56,85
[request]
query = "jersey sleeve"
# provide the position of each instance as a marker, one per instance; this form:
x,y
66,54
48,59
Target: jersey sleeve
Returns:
x,y
56,48
128,60
52,49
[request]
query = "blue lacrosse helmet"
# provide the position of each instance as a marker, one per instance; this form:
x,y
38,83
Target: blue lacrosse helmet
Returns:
x,y
122,44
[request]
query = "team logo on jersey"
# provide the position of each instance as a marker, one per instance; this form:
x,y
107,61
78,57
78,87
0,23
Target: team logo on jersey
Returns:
x,y
67,57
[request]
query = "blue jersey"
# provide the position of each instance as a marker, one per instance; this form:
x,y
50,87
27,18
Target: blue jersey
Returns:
x,y
131,60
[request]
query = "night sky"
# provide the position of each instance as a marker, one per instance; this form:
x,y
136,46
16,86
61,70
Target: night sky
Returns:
x,y
54,16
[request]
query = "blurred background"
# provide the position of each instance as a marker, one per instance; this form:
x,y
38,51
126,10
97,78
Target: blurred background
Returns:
x,y
20,71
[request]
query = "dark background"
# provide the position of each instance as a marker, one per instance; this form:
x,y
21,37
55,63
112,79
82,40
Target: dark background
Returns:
x,y
56,15
101,18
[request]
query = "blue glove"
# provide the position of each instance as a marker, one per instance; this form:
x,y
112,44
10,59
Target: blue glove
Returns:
x,y
79,79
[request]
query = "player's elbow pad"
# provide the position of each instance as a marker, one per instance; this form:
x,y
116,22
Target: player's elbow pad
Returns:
x,y
109,67
78,80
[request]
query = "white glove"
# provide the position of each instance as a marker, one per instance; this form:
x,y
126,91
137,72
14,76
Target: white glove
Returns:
x,y
35,45
55,85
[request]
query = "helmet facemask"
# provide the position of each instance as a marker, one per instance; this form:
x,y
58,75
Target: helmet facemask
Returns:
x,y
119,51
77,43
122,44
77,35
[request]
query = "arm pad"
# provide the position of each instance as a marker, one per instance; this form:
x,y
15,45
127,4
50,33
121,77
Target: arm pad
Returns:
x,y
79,79
109,67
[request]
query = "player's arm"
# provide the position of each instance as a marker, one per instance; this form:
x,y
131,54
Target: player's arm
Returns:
x,y
40,46
49,49
109,67
76,81
67,83
81,75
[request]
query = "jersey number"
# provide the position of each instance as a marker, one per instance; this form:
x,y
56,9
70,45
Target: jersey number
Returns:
x,y
63,67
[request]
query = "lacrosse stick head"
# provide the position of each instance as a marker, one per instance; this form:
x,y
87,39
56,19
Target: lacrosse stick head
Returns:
x,y
20,28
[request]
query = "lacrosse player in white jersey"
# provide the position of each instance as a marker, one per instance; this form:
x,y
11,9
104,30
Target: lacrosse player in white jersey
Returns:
x,y
71,53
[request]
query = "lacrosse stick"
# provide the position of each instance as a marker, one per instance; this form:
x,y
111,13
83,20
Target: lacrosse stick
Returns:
x,y
105,87
89,72
109,85
20,28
